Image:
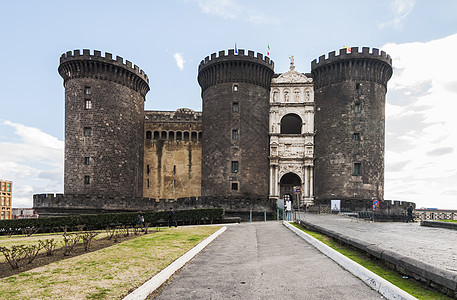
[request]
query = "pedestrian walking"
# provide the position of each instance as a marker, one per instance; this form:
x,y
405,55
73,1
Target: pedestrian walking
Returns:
x,y
410,214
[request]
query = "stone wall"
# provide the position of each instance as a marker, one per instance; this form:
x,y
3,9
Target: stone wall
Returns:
x,y
59,204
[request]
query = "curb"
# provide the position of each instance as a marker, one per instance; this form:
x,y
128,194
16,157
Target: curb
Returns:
x,y
152,284
374,281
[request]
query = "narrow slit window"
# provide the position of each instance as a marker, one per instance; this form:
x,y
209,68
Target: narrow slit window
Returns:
x,y
87,179
357,169
356,136
87,90
357,107
87,131
235,107
87,160
88,104
234,134
234,167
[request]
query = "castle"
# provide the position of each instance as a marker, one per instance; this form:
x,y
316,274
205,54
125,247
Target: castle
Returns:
x,y
261,136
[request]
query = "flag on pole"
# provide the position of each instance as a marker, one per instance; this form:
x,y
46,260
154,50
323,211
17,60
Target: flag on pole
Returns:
x,y
236,49
268,52
348,49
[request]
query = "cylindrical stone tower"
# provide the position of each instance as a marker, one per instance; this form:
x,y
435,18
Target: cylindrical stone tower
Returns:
x,y
349,93
104,115
235,145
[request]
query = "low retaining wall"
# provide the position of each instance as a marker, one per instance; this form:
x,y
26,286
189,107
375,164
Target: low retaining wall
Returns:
x,y
447,225
442,280
48,205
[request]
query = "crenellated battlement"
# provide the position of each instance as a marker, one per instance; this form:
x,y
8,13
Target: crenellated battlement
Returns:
x,y
354,54
235,68
74,64
222,56
371,66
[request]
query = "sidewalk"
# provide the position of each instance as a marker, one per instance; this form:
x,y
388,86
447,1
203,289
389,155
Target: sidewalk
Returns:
x,y
263,261
435,246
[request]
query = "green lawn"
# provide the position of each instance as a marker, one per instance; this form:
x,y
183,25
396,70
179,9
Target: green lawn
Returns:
x,y
409,285
109,273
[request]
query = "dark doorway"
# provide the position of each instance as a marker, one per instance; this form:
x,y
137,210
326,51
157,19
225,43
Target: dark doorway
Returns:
x,y
287,183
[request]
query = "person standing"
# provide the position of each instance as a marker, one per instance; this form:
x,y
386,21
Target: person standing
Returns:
x,y
139,219
410,214
171,216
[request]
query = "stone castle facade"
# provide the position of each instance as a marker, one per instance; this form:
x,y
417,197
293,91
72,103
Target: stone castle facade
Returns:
x,y
261,136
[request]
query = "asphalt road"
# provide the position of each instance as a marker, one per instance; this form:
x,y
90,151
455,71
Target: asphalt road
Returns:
x,y
263,261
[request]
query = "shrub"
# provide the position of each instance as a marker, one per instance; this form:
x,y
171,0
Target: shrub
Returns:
x,y
101,221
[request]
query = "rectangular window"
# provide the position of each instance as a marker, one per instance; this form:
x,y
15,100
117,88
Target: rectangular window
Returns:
x,y
357,169
87,160
87,131
234,134
174,170
88,104
234,167
87,90
356,136
147,183
87,179
235,106
234,186
148,170
357,107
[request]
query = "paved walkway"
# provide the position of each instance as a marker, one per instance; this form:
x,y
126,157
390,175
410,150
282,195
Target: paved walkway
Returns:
x,y
435,246
263,261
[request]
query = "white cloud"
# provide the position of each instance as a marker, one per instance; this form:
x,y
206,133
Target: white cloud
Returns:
x,y
32,159
401,9
229,9
421,137
179,60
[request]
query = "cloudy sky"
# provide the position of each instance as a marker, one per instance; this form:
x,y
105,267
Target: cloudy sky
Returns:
x,y
168,39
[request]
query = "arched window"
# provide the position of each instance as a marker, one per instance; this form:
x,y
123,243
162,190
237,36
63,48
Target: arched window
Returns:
x,y
200,136
193,136
171,135
156,135
148,135
178,135
186,135
164,135
291,124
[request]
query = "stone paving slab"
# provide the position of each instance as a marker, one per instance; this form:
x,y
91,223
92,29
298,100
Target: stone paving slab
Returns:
x,y
263,261
434,246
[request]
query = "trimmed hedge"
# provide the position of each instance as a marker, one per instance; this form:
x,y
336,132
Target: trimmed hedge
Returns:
x,y
100,221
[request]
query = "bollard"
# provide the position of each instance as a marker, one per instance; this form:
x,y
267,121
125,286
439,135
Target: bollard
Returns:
x,y
250,216
264,215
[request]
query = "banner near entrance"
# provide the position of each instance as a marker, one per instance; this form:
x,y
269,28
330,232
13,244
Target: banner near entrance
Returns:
x,y
335,205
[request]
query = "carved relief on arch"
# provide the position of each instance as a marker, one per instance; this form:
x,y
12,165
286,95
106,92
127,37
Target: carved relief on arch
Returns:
x,y
296,169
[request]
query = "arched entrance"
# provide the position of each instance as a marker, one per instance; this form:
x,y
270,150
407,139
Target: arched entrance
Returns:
x,y
287,183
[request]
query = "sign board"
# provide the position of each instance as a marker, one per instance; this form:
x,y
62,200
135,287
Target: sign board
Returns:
x,y
297,190
376,205
280,203
335,205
